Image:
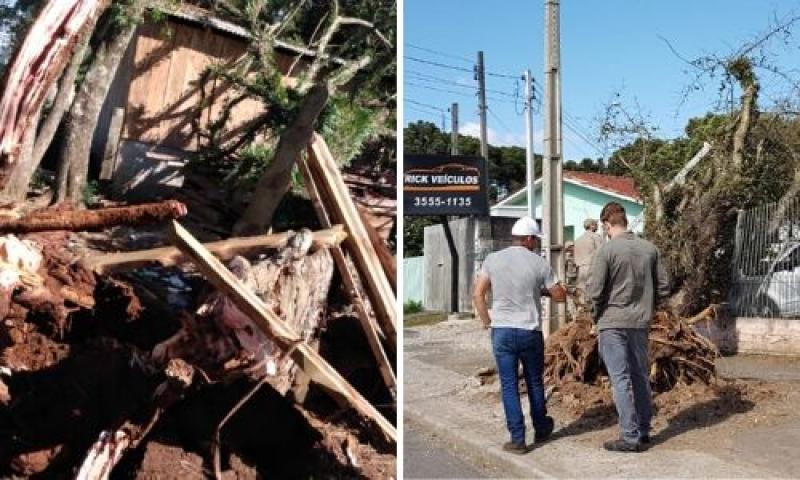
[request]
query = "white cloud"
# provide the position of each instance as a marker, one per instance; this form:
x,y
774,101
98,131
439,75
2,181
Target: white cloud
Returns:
x,y
502,139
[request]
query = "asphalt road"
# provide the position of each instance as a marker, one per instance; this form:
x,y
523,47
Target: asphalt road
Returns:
x,y
426,456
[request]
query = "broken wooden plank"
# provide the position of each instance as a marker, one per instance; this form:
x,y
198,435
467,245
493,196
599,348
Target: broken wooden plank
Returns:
x,y
83,220
276,329
336,197
223,249
350,285
388,262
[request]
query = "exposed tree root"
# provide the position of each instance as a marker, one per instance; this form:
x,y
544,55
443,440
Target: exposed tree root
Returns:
x,y
678,354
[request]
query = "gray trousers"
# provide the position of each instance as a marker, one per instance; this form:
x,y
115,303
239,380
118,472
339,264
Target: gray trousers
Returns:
x,y
625,354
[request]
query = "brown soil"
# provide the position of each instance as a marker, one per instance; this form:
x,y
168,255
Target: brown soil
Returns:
x,y
689,416
76,375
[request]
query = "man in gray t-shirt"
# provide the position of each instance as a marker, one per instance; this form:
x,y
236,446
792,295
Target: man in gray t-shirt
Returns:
x,y
517,277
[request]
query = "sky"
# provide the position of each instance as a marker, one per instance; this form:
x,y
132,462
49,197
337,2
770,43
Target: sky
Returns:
x,y
607,47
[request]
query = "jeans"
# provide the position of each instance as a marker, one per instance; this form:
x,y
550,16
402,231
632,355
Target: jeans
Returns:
x,y
512,346
625,354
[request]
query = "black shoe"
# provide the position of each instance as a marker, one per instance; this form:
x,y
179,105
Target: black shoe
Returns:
x,y
622,446
515,447
645,439
543,433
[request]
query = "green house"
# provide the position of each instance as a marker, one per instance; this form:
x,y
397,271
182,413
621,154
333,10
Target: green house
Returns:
x,y
585,193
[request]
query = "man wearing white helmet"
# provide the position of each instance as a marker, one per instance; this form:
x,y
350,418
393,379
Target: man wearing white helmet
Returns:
x,y
517,277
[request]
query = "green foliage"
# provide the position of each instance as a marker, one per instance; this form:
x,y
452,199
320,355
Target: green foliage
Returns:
x,y
358,116
252,160
414,235
410,307
346,126
91,192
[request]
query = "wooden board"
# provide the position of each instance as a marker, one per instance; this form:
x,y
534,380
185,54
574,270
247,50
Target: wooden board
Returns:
x,y
276,329
350,285
337,200
224,249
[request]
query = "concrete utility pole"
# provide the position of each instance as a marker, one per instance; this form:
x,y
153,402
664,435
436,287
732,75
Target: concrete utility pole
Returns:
x,y
529,162
480,73
454,127
552,192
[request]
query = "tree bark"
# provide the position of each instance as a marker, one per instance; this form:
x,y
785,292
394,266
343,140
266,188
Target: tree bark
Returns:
x,y
81,220
274,183
82,119
35,67
17,186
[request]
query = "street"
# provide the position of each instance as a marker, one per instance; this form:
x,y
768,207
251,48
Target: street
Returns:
x,y
426,456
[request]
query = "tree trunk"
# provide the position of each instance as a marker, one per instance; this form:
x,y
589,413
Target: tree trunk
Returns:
x,y
85,111
17,186
35,67
274,183
20,179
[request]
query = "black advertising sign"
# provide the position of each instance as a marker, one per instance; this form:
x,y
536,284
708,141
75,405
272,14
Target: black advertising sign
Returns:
x,y
445,185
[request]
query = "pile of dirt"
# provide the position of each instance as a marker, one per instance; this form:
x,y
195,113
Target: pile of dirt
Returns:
x,y
76,359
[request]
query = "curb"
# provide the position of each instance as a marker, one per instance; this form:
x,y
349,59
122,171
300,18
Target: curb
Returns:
x,y
477,447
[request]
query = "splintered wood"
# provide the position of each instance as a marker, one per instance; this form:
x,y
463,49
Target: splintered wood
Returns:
x,y
36,66
224,342
273,327
678,354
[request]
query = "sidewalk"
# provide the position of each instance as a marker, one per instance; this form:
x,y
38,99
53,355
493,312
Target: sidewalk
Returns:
x,y
443,394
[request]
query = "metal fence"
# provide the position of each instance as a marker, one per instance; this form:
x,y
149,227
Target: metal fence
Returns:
x,y
766,262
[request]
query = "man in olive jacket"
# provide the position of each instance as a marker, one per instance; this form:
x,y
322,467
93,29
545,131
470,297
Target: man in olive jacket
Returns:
x,y
627,279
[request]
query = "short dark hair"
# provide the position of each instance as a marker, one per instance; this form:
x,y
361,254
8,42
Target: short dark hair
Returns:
x,y
614,214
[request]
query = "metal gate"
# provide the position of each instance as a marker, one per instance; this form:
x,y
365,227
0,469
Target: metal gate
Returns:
x,y
766,262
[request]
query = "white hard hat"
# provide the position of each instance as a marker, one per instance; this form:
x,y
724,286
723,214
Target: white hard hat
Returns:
x,y
525,227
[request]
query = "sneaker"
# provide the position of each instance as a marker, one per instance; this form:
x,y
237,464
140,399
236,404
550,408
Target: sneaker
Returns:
x,y
620,445
515,447
544,433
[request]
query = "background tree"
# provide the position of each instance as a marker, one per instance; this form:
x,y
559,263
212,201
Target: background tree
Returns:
x,y
753,159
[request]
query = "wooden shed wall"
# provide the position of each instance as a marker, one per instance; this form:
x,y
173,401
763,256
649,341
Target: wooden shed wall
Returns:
x,y
165,93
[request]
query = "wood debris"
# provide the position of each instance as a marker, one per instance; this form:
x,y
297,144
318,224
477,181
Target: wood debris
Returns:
x,y
678,354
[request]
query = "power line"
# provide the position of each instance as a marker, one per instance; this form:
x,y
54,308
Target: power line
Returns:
x,y
433,78
422,104
437,64
502,75
437,52
463,94
425,112
456,57
502,124
571,123
429,78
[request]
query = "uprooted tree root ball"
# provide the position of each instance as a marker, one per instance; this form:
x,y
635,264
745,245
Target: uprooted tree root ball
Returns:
x,y
106,372
678,354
